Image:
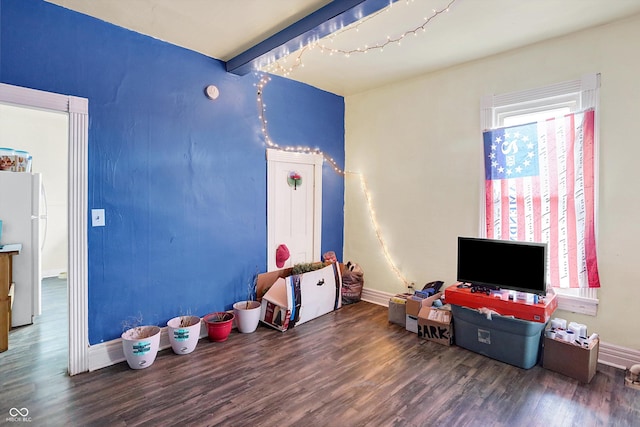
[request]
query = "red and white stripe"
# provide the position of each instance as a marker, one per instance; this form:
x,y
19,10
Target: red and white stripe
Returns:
x,y
556,207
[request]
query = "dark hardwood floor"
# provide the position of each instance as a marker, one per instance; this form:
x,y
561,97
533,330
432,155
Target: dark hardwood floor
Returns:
x,y
347,368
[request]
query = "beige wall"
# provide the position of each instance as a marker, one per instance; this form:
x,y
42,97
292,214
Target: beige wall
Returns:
x,y
44,134
418,144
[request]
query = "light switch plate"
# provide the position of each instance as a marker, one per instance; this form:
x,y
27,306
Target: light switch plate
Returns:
x,y
97,217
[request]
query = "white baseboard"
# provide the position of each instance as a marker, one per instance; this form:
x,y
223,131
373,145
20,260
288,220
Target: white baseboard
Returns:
x,y
609,354
376,297
110,352
618,357
53,272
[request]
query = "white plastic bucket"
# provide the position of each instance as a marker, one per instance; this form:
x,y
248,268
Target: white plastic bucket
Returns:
x,y
184,333
140,346
247,316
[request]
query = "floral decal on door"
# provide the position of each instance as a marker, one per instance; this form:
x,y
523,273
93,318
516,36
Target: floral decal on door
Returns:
x,y
294,179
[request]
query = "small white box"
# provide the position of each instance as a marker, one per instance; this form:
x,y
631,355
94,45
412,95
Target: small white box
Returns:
x,y
412,323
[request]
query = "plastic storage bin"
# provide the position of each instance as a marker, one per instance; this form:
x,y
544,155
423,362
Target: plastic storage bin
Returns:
x,y
513,341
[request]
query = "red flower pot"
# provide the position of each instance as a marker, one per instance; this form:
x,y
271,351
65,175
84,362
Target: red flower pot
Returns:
x,y
219,325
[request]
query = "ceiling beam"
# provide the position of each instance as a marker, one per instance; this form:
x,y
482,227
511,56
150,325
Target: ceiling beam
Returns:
x,y
324,21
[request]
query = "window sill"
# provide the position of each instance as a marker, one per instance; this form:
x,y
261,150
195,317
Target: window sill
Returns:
x,y
577,304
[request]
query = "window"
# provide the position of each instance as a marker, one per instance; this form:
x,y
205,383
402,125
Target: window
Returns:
x,y
538,105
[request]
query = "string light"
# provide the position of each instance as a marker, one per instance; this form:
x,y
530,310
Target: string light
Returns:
x,y
262,83
264,80
280,67
277,68
376,228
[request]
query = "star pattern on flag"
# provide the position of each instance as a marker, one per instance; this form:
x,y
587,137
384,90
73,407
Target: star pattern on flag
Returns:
x,y
512,154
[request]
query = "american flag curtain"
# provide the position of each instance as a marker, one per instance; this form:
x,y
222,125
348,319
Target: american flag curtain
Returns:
x,y
539,187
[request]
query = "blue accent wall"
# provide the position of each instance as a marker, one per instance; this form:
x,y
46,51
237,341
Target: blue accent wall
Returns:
x,y
182,178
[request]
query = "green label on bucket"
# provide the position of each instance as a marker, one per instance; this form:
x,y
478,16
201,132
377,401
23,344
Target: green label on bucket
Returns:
x,y
141,348
181,334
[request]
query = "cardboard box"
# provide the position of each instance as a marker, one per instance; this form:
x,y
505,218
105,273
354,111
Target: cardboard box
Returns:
x,y
435,324
296,299
571,359
414,305
276,305
267,280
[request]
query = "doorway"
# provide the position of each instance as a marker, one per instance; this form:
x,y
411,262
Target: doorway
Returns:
x,y
77,211
44,134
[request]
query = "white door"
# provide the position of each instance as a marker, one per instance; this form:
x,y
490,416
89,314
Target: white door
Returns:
x,y
294,206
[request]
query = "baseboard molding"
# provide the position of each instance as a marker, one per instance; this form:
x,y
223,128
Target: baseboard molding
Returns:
x,y
618,357
376,297
609,354
53,273
110,352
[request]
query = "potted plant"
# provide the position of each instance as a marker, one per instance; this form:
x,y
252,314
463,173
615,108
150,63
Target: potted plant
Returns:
x,y
306,267
140,344
184,333
219,325
247,312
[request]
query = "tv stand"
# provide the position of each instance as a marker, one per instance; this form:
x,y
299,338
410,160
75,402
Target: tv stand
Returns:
x,y
465,296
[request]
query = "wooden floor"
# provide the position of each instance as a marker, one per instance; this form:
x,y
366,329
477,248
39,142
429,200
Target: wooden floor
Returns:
x,y
347,368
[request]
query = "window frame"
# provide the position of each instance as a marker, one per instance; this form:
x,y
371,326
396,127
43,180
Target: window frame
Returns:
x,y
578,95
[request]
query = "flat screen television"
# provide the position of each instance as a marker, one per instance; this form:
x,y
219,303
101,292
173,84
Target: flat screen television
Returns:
x,y
503,264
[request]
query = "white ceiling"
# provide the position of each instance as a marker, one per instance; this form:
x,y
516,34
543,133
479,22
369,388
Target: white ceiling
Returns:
x,y
471,29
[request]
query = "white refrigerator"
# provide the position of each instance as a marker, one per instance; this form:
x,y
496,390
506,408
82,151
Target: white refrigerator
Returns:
x,y
20,204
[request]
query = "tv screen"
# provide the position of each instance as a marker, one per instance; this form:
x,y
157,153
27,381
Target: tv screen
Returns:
x,y
504,264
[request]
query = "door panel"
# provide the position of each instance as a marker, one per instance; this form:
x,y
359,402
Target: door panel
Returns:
x,y
294,206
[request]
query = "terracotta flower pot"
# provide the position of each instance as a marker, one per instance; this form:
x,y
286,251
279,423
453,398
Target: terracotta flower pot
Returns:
x,y
219,325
